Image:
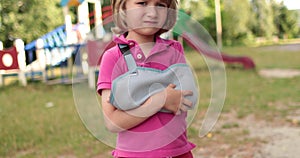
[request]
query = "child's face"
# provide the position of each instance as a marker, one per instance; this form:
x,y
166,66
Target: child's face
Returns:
x,y
146,16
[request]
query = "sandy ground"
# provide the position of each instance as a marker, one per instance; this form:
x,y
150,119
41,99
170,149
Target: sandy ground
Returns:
x,y
277,139
279,73
270,140
284,142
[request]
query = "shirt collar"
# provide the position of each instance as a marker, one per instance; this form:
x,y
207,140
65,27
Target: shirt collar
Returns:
x,y
160,45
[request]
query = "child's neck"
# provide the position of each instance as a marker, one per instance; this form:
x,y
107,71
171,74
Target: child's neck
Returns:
x,y
146,43
140,39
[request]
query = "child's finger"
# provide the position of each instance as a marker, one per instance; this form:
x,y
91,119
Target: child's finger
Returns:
x,y
172,85
187,93
184,108
187,102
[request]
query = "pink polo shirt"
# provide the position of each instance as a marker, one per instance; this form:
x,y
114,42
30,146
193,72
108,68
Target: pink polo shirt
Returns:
x,y
163,134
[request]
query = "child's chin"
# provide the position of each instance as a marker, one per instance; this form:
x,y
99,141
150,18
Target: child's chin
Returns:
x,y
148,30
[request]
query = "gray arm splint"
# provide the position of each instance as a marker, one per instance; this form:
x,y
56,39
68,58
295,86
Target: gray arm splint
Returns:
x,y
133,88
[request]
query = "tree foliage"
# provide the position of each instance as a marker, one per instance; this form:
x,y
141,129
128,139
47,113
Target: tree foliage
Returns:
x,y
197,9
243,20
285,20
28,19
263,25
237,17
202,11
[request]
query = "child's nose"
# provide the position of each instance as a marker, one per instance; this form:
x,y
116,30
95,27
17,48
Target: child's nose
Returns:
x,y
151,11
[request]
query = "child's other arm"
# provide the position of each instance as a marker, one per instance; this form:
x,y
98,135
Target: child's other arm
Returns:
x,y
117,120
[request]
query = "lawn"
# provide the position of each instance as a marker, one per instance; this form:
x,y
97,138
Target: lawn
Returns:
x,y
41,120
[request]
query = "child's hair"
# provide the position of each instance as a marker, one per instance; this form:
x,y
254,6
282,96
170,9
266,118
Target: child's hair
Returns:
x,y
119,8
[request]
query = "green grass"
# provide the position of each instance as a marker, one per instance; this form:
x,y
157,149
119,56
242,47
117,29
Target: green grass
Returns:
x,y
31,129
246,90
276,56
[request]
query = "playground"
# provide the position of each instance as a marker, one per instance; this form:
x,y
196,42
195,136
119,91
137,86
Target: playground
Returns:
x,y
72,52
260,116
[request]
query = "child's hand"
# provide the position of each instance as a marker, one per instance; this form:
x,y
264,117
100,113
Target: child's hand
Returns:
x,y
175,99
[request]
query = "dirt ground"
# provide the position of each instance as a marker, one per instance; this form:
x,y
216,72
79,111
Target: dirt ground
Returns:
x,y
283,141
277,139
263,139
279,73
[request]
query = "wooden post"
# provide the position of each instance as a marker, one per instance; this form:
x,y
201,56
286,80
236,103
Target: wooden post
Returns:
x,y
91,77
98,20
41,57
218,23
19,44
1,77
83,15
1,45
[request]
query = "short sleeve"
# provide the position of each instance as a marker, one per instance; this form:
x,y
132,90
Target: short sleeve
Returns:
x,y
105,71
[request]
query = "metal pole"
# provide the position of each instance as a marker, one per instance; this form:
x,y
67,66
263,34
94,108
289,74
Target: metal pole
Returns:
x,y
218,23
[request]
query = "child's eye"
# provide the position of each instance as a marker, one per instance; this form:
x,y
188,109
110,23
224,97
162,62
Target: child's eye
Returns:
x,y
142,3
162,5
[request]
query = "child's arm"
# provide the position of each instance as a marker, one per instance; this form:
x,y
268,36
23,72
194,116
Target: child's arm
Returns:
x,y
117,120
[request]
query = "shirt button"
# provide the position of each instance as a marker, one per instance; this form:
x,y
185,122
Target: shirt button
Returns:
x,y
139,56
131,43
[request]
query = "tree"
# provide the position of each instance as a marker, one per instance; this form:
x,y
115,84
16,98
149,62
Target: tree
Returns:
x,y
285,20
237,18
28,19
197,9
263,25
243,20
209,21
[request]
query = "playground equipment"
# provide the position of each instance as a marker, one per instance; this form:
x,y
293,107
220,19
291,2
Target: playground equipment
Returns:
x,y
49,51
52,55
187,29
88,39
89,15
70,2
95,49
93,17
12,63
203,49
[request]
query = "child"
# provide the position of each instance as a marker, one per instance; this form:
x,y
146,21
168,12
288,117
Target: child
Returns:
x,y
146,131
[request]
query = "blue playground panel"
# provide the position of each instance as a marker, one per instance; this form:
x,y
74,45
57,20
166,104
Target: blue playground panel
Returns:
x,y
56,50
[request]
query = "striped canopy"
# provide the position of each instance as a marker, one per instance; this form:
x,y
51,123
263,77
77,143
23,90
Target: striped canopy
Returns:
x,y
70,2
